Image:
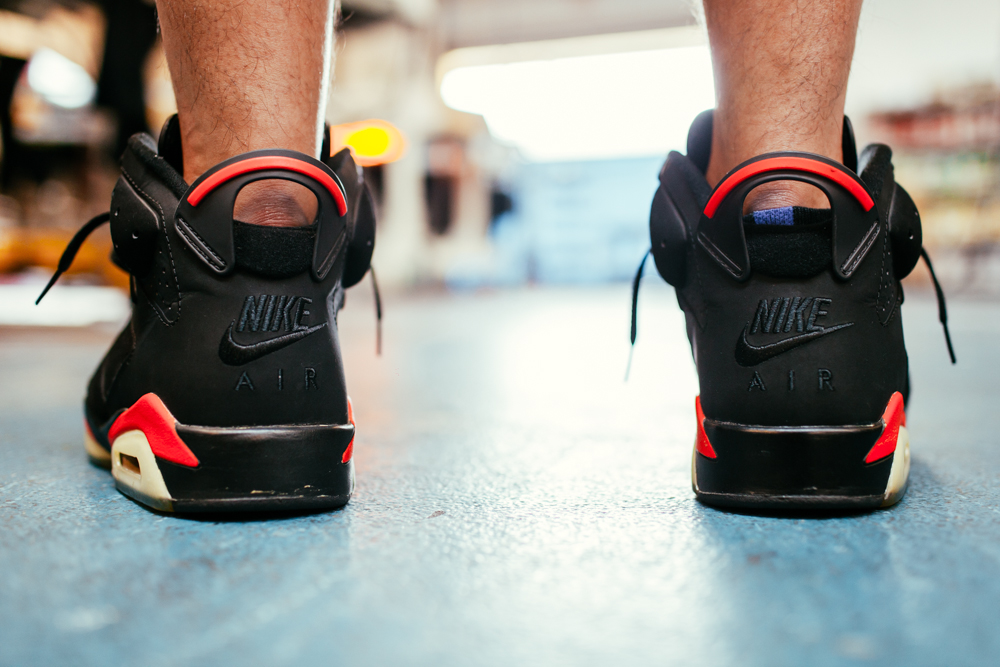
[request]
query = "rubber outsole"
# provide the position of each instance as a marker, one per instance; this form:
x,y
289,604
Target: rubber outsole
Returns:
x,y
804,502
802,468
230,469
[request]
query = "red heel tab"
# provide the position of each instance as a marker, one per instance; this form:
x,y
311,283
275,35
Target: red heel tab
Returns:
x,y
264,163
809,165
702,443
893,418
152,417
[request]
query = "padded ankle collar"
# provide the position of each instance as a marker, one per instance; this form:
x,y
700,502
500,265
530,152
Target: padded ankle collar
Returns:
x,y
204,217
855,217
167,160
684,209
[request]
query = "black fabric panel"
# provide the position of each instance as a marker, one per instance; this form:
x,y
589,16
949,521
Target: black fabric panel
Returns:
x,y
692,199
273,252
875,165
170,143
104,378
699,141
849,146
144,148
801,250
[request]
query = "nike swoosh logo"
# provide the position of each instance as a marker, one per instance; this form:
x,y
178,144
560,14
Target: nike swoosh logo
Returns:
x,y
234,354
752,355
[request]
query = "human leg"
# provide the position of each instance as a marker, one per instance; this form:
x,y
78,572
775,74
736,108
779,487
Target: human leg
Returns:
x,y
248,76
781,72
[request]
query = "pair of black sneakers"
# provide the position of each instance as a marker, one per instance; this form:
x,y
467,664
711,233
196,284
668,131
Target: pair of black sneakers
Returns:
x,y
225,391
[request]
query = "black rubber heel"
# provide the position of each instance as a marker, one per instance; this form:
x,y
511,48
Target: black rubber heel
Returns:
x,y
792,467
262,469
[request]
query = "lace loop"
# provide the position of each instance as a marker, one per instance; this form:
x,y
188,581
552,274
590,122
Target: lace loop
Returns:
x,y
73,247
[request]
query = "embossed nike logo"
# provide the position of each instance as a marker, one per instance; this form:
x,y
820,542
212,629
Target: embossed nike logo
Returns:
x,y
234,354
752,355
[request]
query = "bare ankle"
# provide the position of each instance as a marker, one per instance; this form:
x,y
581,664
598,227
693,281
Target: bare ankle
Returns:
x,y
731,147
275,204
778,194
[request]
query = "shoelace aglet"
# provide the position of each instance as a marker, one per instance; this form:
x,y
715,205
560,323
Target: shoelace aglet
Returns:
x,y
635,310
52,281
65,260
942,308
947,340
628,366
73,247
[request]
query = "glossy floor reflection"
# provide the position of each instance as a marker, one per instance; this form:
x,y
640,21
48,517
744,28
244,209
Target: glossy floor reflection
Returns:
x,y
517,503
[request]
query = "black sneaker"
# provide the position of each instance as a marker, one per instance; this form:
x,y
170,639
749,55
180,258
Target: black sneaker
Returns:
x,y
793,317
225,392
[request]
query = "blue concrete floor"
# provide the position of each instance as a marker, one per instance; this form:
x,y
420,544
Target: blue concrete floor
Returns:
x,y
517,504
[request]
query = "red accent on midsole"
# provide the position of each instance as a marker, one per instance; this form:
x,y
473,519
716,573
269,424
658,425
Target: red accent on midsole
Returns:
x,y
349,452
268,162
893,418
151,416
795,164
701,443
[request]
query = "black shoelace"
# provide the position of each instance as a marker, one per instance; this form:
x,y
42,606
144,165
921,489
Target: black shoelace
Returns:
x,y
942,308
378,313
635,309
73,247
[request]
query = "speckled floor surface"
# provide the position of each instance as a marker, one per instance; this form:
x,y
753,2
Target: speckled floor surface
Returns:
x,y
517,504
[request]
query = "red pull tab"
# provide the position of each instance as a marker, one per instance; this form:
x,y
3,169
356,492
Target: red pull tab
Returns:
x,y
788,163
268,162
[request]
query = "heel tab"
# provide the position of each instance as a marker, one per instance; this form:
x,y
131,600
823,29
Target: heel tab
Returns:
x,y
855,215
208,204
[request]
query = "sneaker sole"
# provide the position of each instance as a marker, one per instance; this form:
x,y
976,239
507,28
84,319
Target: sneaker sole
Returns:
x,y
172,467
803,468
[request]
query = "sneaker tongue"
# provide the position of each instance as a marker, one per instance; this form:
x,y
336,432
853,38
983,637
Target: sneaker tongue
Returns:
x,y
273,252
789,242
788,216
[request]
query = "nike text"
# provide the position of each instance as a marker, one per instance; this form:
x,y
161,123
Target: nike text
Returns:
x,y
781,314
270,312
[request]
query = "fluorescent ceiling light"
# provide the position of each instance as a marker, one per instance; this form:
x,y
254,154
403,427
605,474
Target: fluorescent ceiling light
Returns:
x,y
609,105
59,80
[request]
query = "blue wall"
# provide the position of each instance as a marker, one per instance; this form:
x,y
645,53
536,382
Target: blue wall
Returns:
x,y
575,222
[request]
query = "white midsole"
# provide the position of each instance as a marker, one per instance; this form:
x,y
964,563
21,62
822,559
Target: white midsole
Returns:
x,y
900,470
147,485
97,454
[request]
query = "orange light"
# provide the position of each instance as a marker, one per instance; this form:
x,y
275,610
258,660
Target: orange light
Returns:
x,y
371,141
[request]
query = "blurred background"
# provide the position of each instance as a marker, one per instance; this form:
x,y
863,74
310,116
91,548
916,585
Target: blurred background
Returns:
x,y
493,133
